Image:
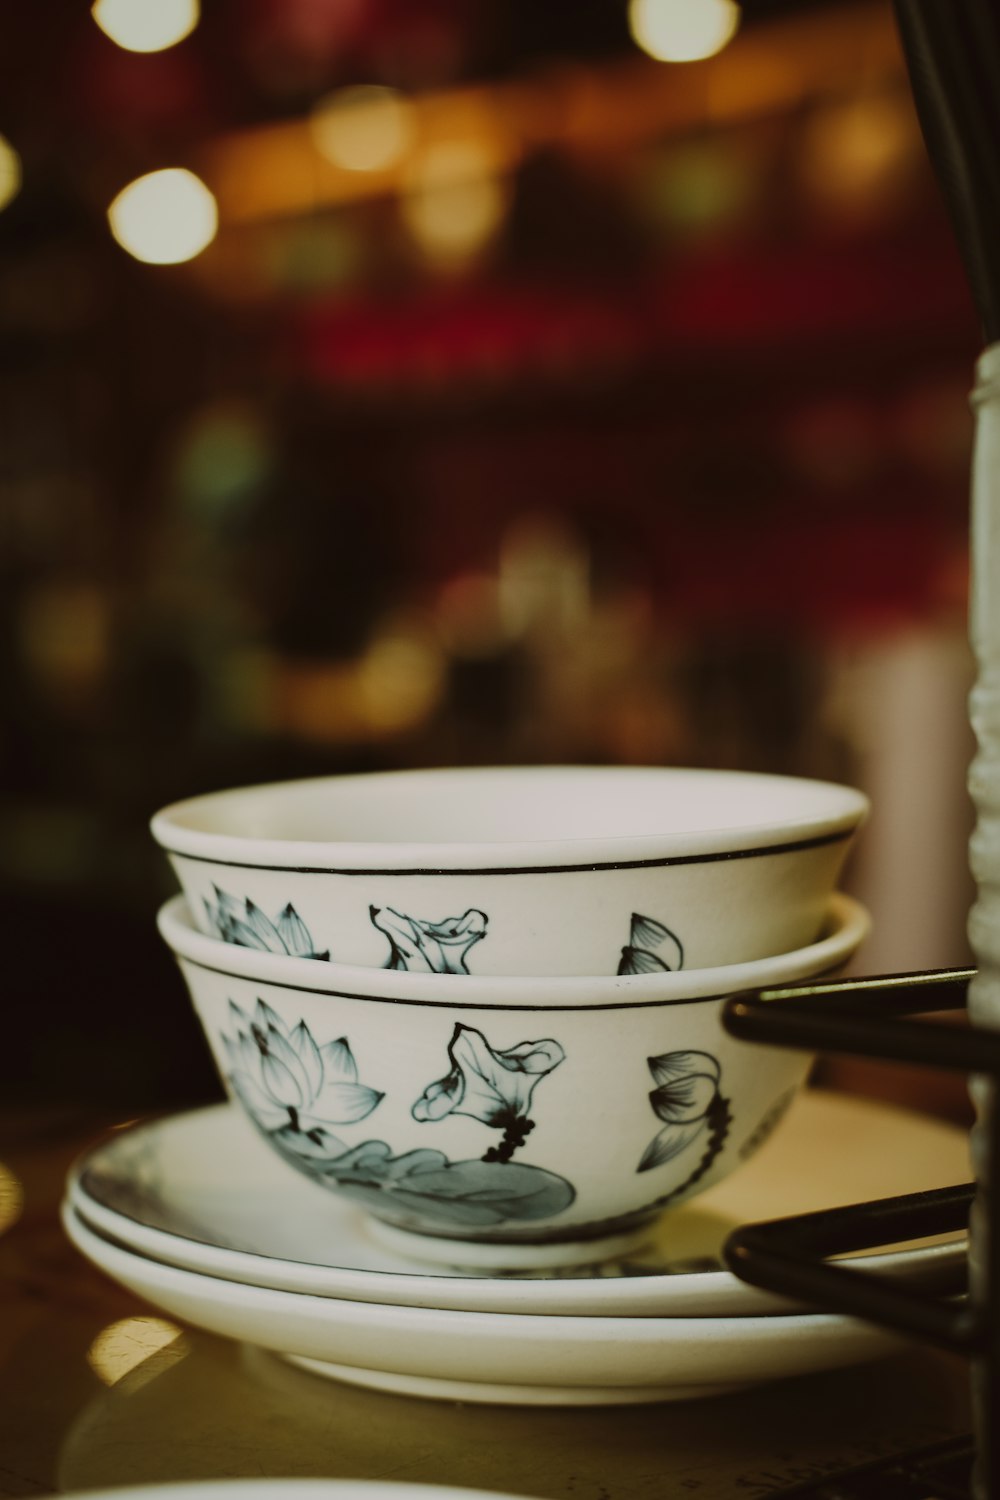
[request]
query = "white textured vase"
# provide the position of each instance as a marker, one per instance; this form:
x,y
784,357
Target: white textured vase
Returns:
x,y
984,782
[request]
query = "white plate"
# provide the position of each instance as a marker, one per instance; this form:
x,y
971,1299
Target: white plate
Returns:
x,y
294,1489
200,1191
493,1357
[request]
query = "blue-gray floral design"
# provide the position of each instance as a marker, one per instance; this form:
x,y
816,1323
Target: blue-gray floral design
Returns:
x,y
651,948
296,1090
287,1082
688,1101
429,947
491,1085
249,927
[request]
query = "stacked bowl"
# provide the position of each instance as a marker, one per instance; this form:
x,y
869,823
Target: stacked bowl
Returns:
x,y
479,1010
484,1003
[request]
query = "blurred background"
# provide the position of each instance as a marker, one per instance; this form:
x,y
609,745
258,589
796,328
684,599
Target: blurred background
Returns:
x,y
409,382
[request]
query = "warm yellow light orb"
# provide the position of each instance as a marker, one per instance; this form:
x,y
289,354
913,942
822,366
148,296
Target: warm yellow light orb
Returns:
x,y
455,204
682,30
146,25
363,129
10,173
165,217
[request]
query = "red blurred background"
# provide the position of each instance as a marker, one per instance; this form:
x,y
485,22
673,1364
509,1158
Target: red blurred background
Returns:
x,y
535,400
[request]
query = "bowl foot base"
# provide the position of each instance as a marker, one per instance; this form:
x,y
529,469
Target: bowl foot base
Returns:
x,y
481,1255
483,1392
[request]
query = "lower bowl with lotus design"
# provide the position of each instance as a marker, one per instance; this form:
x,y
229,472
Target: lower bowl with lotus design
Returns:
x,y
499,1121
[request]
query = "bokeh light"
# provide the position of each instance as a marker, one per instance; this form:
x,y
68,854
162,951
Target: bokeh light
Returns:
x,y
10,173
363,129
121,1346
697,187
401,678
470,617
11,1198
165,217
861,153
455,203
221,460
146,25
682,30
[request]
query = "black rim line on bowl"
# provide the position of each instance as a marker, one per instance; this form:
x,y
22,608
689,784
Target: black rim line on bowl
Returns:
x,y
309,989
815,842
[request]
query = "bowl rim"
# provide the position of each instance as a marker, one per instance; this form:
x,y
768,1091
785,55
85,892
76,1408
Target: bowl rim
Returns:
x,y
841,811
847,924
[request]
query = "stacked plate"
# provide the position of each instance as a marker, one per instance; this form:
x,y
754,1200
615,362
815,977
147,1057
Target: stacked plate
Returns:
x,y
194,1214
517,1226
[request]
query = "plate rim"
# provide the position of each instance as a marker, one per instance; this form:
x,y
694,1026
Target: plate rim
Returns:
x,y
656,1294
497,1349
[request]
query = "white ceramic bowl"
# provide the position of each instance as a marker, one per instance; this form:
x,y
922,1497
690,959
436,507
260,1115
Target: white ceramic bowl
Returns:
x,y
521,871
502,1121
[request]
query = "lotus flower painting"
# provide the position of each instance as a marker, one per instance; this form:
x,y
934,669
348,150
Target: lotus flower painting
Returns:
x,y
298,1092
288,1082
249,927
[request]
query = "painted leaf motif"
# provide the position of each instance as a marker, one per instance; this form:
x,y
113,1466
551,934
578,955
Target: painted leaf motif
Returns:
x,y
673,1065
500,1082
404,939
686,1093
373,1163
429,947
484,1193
492,1086
652,948
369,1160
670,1142
646,932
413,1163
684,1099
308,1152
638,961
438,1099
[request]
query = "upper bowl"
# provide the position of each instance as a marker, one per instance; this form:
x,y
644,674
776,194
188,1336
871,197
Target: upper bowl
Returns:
x,y
532,871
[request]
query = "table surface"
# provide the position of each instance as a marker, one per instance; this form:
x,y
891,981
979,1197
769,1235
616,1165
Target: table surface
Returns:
x,y
193,1406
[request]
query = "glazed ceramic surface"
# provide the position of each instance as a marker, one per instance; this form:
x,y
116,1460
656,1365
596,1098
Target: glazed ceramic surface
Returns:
x,y
479,1114
288,1489
188,1191
523,870
493,1356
